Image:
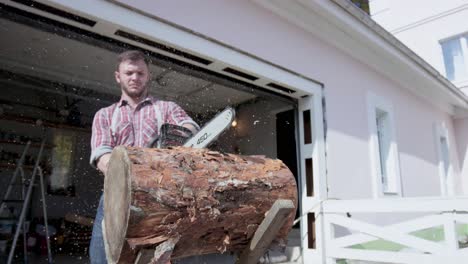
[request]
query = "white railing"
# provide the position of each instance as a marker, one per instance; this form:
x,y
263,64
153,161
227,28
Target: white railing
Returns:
x,y
400,242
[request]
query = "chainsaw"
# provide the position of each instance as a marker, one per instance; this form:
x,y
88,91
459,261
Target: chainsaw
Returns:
x,y
174,135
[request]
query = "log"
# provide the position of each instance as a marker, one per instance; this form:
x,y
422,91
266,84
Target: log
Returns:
x,y
206,201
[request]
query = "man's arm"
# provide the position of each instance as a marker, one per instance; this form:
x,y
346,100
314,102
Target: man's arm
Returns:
x,y
101,141
178,116
103,163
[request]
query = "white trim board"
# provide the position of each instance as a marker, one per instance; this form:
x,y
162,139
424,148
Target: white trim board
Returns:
x,y
315,151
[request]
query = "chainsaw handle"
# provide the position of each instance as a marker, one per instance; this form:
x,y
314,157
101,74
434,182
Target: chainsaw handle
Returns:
x,y
169,135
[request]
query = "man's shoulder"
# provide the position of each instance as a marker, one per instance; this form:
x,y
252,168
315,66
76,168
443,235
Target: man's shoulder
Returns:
x,y
107,110
164,103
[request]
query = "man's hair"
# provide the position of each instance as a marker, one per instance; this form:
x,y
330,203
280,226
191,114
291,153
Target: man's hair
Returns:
x,y
131,55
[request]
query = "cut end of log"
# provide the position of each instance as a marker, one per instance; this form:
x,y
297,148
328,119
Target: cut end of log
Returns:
x,y
117,199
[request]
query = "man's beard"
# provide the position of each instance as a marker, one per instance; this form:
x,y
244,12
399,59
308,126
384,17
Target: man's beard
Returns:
x,y
134,94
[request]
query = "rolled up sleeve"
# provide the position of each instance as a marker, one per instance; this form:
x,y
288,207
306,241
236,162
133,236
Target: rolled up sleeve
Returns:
x,y
177,116
101,137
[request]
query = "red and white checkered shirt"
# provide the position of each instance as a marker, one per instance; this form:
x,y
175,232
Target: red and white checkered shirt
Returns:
x,y
120,124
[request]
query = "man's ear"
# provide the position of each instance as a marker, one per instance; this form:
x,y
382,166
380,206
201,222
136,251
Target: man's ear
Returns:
x,y
117,77
149,77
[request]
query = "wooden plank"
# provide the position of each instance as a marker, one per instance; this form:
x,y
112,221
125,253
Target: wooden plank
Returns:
x,y
404,227
393,257
461,218
450,233
387,233
400,205
266,232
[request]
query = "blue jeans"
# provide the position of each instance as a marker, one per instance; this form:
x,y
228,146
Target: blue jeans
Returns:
x,y
97,252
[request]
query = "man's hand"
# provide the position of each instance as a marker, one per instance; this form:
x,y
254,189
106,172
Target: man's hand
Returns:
x,y
103,163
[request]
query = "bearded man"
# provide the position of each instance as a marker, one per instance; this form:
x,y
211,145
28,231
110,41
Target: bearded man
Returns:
x,y
134,120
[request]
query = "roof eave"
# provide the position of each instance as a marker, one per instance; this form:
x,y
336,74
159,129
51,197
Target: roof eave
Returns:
x,y
369,22
343,25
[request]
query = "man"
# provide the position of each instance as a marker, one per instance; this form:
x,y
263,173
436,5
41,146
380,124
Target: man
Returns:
x,y
133,121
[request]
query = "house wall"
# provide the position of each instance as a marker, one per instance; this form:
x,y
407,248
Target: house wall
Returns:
x,y
422,24
346,85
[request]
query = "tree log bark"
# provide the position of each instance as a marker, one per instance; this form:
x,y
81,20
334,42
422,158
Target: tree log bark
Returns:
x,y
207,201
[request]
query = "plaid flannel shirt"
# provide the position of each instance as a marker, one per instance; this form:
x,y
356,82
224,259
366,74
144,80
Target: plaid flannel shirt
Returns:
x,y
120,124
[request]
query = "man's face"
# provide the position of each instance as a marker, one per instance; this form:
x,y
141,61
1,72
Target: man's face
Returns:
x,y
133,77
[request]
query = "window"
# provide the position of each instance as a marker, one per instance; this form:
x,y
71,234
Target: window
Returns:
x,y
455,52
442,146
385,167
383,144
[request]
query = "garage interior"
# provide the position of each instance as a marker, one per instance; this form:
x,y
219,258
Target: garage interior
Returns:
x,y
54,77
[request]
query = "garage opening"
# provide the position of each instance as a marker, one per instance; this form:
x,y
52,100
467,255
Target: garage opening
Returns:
x,y
55,77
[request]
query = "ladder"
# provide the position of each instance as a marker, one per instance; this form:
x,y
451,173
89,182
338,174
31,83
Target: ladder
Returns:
x,y
25,200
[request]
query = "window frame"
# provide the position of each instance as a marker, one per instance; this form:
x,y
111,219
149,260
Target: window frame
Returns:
x,y
463,41
445,176
393,174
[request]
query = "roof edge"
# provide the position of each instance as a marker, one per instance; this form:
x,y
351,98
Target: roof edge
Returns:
x,y
363,17
351,30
